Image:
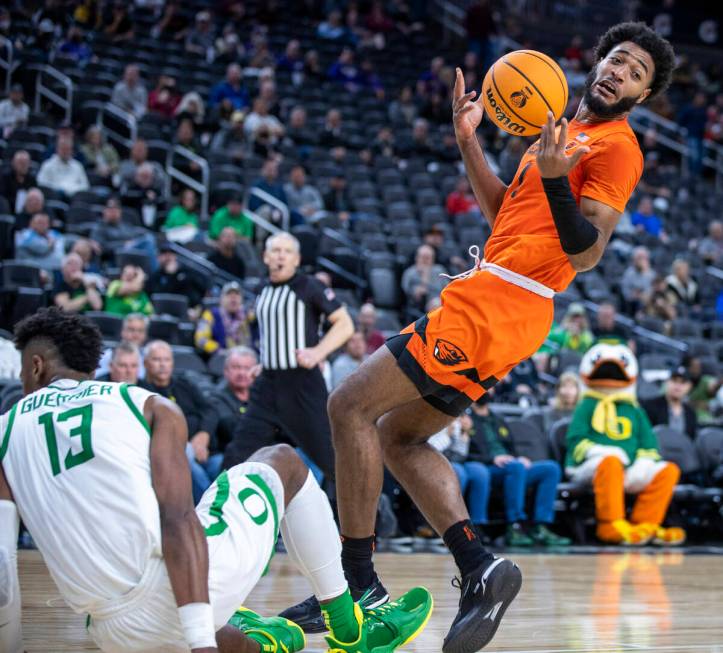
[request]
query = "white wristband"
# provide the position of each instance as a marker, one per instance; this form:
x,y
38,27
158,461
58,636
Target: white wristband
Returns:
x,y
197,623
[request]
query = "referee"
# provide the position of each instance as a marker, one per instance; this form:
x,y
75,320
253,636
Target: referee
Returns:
x,y
288,399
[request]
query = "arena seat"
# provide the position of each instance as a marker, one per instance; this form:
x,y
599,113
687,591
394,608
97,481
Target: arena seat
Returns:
x,y
528,440
110,324
384,287
163,328
16,273
170,304
186,359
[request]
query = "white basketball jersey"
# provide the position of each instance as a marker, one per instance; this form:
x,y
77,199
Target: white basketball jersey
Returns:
x,y
77,458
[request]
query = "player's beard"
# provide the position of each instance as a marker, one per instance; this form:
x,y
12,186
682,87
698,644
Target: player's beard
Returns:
x,y
600,108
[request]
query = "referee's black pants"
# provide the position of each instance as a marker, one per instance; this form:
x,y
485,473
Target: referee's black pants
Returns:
x,y
290,403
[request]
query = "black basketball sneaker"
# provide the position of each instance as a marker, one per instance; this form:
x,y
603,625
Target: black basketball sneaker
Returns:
x,y
307,614
486,593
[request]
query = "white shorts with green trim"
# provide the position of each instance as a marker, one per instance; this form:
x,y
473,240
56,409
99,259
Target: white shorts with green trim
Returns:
x,y
240,513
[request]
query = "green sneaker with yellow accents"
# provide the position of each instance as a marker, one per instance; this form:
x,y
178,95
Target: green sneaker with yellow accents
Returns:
x,y
274,634
386,628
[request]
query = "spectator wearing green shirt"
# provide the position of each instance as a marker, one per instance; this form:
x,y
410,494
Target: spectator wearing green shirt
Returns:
x,y
126,295
574,333
181,223
231,215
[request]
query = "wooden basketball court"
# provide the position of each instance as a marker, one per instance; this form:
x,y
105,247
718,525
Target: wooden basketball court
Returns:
x,y
634,601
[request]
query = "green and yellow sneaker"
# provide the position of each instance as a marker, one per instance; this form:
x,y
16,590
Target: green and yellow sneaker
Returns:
x,y
274,634
386,628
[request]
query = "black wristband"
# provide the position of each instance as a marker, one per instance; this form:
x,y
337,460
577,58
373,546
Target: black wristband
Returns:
x,y
576,232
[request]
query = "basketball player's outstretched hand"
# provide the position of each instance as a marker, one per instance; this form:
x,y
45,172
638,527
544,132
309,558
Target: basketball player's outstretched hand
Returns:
x,y
551,158
466,114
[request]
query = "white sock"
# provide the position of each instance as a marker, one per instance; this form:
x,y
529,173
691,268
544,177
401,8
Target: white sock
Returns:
x,y
312,540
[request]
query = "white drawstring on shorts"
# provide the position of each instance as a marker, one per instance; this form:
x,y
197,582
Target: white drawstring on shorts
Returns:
x,y
503,273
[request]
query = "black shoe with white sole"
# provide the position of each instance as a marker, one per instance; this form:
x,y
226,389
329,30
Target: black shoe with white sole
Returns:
x,y
307,614
486,593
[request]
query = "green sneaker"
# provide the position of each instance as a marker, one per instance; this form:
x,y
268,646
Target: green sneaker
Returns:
x,y
516,536
386,628
543,536
274,634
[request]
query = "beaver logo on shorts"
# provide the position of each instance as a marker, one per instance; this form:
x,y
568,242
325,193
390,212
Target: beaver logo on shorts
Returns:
x,y
448,353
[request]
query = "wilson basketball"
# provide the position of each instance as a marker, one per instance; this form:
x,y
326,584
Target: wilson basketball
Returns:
x,y
520,88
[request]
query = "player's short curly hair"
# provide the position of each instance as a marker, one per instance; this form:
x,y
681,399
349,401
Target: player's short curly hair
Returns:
x,y
655,45
77,340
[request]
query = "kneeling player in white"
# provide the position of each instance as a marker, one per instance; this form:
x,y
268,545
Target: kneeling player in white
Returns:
x,y
99,475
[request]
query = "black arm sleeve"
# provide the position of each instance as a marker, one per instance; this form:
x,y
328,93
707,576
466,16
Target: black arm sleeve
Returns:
x,y
576,232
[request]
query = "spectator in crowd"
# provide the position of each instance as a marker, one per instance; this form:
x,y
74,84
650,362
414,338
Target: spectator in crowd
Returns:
x,y
225,256
125,364
228,46
461,199
113,234
567,394
130,93
301,196
192,107
137,157
574,332
127,294
62,172
88,251
333,134
204,461
607,331
34,203
480,25
186,137
654,180
384,143
260,120
367,320
181,223
436,109
13,111
682,290
40,244
133,330
403,110
419,145
490,443
200,40
269,182
422,281
313,72
231,399
658,302
267,92
637,281
297,131
703,388
165,98
710,248
65,131
644,219
350,359
171,277
231,215
292,61
101,158
76,47
118,21
231,138
174,23
332,29
143,195
76,292
231,91
344,71
692,118
16,182
671,408
337,198
224,326
259,54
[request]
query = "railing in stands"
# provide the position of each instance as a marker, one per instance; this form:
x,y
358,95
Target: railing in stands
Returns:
x,y
328,264
263,223
272,201
44,91
110,117
201,187
7,62
451,16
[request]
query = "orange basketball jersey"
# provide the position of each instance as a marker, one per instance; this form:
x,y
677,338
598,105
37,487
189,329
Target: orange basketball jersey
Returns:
x,y
524,238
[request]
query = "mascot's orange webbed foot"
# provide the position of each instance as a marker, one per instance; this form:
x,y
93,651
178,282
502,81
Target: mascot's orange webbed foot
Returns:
x,y
623,532
661,536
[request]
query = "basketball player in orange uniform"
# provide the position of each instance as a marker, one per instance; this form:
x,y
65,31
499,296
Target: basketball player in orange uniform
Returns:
x,y
553,220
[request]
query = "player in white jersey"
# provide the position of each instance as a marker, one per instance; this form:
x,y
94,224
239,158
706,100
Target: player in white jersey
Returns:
x,y
99,475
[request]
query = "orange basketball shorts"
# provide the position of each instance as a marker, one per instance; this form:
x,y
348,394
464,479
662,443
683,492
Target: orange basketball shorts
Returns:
x,y
484,327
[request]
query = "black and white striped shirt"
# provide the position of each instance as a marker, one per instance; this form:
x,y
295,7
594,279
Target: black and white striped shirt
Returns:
x,y
289,315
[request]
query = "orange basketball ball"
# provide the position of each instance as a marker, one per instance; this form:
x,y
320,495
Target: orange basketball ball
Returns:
x,y
520,88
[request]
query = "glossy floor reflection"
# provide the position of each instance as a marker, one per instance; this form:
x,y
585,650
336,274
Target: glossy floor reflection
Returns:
x,y
608,603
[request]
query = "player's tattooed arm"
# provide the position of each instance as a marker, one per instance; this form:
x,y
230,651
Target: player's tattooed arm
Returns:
x,y
467,114
183,541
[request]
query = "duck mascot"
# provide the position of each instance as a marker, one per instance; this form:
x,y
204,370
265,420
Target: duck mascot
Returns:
x,y
611,444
